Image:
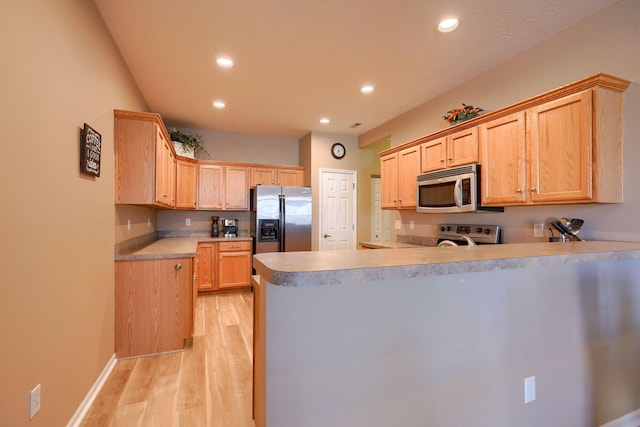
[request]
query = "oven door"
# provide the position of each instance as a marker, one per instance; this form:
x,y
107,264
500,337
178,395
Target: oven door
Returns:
x,y
447,195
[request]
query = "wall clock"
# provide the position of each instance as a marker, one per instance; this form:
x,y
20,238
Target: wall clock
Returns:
x,y
338,151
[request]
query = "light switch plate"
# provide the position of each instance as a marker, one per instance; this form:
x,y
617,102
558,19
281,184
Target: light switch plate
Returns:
x,y
412,224
398,224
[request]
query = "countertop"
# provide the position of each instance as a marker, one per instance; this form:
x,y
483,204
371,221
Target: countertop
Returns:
x,y
388,245
173,247
334,267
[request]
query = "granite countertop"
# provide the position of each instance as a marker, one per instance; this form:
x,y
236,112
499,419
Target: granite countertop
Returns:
x,y
389,245
172,247
333,267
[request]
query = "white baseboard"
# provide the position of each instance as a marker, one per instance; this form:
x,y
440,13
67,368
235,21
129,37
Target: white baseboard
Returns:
x,y
91,396
632,419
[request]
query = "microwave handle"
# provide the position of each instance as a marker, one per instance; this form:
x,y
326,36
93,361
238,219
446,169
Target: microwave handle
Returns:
x,y
457,193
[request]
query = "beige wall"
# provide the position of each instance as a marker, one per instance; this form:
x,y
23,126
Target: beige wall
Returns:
x,y
231,147
606,42
60,69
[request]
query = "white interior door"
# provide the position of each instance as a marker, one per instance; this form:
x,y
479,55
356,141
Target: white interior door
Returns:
x,y
380,223
338,210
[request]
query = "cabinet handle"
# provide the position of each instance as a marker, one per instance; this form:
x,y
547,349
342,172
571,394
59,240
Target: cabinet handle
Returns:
x,y
533,189
450,158
518,190
178,266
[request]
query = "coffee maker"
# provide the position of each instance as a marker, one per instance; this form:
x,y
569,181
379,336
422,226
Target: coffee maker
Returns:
x,y
229,227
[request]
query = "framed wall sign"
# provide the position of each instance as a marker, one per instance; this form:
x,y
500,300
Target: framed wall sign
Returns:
x,y
90,146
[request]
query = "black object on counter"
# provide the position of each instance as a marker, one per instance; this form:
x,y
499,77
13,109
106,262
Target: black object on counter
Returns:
x,y
215,228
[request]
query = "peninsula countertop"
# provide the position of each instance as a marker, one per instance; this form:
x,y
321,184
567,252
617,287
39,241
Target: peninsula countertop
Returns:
x,y
173,247
339,267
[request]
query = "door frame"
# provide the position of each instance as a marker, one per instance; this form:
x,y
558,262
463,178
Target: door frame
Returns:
x,y
354,175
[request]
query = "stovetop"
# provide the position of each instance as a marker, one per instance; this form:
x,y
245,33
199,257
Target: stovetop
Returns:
x,y
480,233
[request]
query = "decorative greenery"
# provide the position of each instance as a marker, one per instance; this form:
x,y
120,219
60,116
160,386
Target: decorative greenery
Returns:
x,y
189,141
458,115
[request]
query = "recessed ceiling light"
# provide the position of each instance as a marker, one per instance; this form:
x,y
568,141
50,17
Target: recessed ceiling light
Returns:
x,y
367,89
448,25
325,121
224,62
219,104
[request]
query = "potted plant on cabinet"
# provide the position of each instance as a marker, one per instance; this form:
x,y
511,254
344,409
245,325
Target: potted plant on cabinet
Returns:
x,y
187,144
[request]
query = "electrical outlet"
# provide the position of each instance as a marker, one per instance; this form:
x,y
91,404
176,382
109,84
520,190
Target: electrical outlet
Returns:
x,y
538,230
187,222
34,401
412,224
529,389
398,224
128,225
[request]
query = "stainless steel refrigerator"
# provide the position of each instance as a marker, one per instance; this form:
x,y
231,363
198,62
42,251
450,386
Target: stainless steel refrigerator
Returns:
x,y
281,218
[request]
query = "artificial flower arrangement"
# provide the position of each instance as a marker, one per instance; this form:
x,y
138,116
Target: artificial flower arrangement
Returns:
x,y
189,141
458,115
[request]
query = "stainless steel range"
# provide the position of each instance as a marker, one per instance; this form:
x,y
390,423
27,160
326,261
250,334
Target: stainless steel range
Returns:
x,y
469,234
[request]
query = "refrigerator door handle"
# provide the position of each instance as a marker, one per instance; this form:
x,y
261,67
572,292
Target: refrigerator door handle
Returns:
x,y
282,222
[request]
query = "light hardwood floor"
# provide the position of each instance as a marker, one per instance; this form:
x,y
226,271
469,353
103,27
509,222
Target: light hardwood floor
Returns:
x,y
209,384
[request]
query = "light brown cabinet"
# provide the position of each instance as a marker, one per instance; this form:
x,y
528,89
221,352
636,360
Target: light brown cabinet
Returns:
x,y
549,154
459,148
144,161
234,265
153,306
205,260
288,177
398,173
223,187
186,184
223,265
563,146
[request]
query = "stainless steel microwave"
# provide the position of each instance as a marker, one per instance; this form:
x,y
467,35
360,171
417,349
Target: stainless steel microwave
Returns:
x,y
453,190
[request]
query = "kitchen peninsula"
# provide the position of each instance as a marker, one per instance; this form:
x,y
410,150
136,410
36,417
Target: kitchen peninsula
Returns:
x,y
446,336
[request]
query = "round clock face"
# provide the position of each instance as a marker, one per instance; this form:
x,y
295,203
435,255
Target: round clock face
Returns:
x,y
338,151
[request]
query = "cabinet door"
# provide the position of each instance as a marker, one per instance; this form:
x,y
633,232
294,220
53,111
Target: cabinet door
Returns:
x,y
186,184
462,147
408,170
162,183
234,269
263,176
210,186
561,149
433,155
206,259
153,305
389,181
503,171
290,177
236,188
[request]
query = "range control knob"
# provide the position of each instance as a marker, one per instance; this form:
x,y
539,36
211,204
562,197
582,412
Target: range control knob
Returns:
x,y
479,230
487,231
441,228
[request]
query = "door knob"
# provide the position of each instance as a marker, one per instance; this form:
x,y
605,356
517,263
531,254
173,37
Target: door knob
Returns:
x,y
326,235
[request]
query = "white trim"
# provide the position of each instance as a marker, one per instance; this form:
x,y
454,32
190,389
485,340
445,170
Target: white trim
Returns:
x,y
632,419
93,393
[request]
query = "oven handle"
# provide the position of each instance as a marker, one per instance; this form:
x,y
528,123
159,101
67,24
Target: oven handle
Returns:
x,y
457,193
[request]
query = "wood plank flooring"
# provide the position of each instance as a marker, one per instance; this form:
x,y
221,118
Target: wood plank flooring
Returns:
x,y
209,384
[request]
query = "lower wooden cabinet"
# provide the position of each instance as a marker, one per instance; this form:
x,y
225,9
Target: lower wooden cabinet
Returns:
x,y
153,305
223,265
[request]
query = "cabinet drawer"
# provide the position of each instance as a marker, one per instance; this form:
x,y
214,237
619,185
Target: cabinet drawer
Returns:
x,y
234,246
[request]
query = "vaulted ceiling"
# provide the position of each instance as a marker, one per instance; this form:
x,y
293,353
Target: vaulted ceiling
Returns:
x,y
297,61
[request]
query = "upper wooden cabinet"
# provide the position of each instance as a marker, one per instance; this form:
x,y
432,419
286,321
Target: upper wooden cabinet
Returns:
x,y
459,148
222,187
564,146
398,173
277,175
568,150
186,184
145,167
